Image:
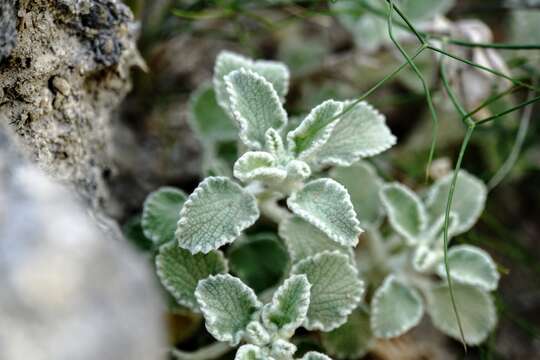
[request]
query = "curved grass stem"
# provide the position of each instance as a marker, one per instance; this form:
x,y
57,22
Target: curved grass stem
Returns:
x,y
516,148
434,118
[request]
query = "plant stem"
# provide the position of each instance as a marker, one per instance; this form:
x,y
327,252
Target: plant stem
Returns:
x,y
434,118
270,208
495,45
508,111
210,352
494,72
492,99
465,143
378,84
516,148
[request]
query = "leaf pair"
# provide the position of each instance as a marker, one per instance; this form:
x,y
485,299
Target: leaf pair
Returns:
x,y
340,133
233,312
319,295
422,224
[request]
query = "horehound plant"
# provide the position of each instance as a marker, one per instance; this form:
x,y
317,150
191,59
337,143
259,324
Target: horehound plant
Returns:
x,y
277,163
313,166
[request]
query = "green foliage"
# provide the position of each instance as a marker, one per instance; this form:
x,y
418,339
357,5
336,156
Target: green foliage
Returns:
x,y
214,215
476,310
325,204
353,339
180,272
315,167
336,289
161,213
395,308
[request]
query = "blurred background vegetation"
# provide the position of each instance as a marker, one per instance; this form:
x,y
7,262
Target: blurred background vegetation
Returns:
x,y
331,56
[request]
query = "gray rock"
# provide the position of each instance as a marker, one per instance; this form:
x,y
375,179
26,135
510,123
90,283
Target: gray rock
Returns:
x,y
8,29
68,291
61,82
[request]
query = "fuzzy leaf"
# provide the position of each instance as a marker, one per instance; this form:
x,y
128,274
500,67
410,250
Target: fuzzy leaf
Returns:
x,y
226,62
361,132
430,248
314,130
476,310
274,144
471,265
179,271
257,334
228,306
363,185
406,213
161,212
304,240
298,170
258,165
249,352
255,105
395,308
215,214
468,202
282,350
313,355
326,204
276,73
353,339
208,120
289,306
336,289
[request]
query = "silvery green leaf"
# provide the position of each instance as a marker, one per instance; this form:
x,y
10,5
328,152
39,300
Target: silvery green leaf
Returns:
x,y
228,306
430,248
336,289
226,62
475,307
314,130
468,201
250,352
363,185
289,306
304,240
161,212
215,214
257,334
313,355
395,308
274,144
353,339
179,271
255,106
298,170
405,210
207,119
471,265
360,132
276,73
258,165
282,350
326,204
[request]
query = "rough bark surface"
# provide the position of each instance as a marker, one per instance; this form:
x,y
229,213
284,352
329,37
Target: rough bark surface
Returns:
x,y
69,290
61,81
